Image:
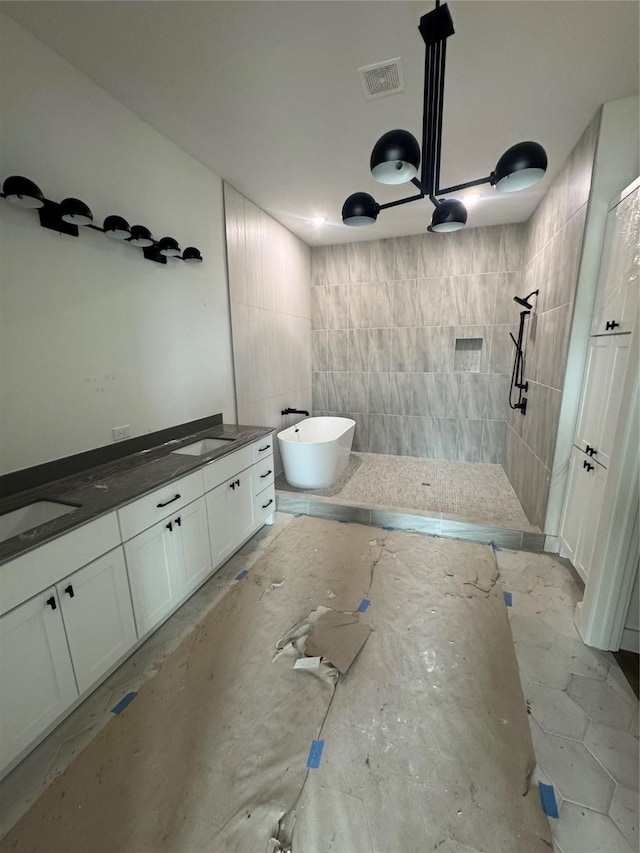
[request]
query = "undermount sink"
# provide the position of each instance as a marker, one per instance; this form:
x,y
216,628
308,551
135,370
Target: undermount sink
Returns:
x,y
30,516
205,445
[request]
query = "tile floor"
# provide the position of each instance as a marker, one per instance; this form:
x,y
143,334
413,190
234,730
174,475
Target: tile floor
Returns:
x,y
471,491
584,715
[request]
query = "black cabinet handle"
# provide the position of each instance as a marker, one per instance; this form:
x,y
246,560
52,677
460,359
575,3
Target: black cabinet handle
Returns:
x,y
262,476
611,324
587,449
266,447
587,465
270,501
169,527
232,485
52,602
238,483
69,591
178,521
170,501
592,452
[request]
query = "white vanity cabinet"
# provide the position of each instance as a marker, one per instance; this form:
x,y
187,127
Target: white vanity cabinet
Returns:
x,y
57,645
230,512
36,674
169,559
579,522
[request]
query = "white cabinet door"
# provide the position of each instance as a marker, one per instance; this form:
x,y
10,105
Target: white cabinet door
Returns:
x,y
230,509
602,395
575,503
35,672
191,544
153,578
596,478
98,618
618,283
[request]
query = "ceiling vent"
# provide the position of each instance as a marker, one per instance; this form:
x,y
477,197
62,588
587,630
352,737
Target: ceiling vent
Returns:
x,y
382,79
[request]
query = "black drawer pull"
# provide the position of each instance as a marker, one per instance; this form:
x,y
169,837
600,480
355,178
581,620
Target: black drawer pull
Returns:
x,y
270,501
178,521
232,485
170,501
52,602
238,483
587,465
262,476
266,447
169,527
611,324
69,591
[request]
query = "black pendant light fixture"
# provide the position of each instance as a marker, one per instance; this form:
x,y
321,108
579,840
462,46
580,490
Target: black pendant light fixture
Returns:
x,y
397,156
66,217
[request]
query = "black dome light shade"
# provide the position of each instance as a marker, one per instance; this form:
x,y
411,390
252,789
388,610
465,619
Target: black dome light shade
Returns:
x,y
449,215
360,209
141,236
169,247
117,228
22,192
75,211
191,255
395,157
519,167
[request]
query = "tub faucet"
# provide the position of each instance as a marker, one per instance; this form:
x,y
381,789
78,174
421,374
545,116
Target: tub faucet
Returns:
x,y
294,412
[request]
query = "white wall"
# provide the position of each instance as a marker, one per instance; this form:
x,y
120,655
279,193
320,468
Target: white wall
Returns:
x,y
92,335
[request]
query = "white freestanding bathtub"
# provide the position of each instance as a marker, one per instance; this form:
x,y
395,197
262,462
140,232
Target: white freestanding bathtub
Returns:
x,y
316,451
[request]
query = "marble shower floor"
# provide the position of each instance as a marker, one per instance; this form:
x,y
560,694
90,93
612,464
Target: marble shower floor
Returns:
x,y
462,491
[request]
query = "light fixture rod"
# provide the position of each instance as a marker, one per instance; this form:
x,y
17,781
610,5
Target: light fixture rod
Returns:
x,y
478,182
401,201
442,47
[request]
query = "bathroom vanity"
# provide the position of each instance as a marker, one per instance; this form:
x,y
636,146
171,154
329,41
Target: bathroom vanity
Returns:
x,y
82,590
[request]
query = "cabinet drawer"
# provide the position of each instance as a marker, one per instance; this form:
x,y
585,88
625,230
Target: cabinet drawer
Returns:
x,y
264,504
263,474
219,470
137,516
29,574
262,448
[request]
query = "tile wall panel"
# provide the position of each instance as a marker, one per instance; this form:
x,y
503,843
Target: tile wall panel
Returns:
x,y
386,315
550,264
272,302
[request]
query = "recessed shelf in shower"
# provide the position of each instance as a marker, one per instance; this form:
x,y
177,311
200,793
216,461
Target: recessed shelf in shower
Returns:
x,y
468,355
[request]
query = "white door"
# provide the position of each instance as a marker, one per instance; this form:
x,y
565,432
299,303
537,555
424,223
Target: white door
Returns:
x,y
617,296
242,505
35,672
98,617
611,396
589,426
596,477
221,528
153,579
191,541
575,504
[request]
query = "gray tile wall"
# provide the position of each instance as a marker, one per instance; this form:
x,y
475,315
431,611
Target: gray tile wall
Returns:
x,y
385,317
270,297
552,252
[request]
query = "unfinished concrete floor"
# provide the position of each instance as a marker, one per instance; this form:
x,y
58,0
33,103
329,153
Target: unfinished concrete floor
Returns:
x,y
542,599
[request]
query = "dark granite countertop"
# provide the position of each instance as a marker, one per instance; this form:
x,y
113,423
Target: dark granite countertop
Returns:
x,y
97,491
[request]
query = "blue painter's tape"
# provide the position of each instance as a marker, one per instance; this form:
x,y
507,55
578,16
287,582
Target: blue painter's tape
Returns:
x,y
315,754
363,605
387,528
548,799
496,547
508,599
242,574
122,704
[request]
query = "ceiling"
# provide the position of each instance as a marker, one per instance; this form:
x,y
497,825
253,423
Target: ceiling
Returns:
x,y
267,93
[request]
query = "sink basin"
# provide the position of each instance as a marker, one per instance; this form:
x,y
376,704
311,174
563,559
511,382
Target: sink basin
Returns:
x,y
30,516
205,445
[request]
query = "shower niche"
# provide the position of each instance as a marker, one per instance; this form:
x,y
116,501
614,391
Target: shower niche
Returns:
x,y
467,357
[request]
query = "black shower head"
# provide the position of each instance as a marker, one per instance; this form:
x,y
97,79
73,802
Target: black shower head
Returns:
x,y
524,300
